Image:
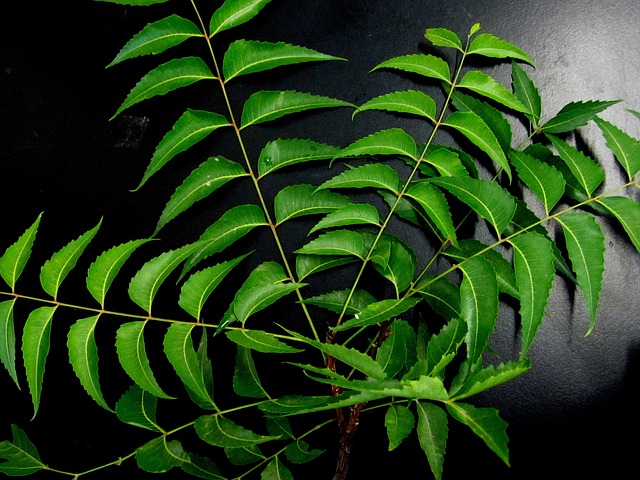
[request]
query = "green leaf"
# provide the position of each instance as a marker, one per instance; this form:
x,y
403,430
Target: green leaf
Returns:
x,y
397,351
219,431
198,287
477,132
478,304
442,37
138,407
104,269
204,366
624,146
396,262
36,338
486,424
177,73
264,106
178,347
147,281
21,455
234,224
486,198
574,115
350,356
202,467
487,86
300,200
159,455
336,242
585,244
588,173
245,56
446,162
192,127
435,205
298,452
492,376
83,356
426,65
276,470
359,214
252,300
334,301
309,264
15,257
526,91
411,102
246,382
295,405
494,119
379,312
244,455
282,153
133,357
370,175
444,345
55,270
260,341
433,430
542,179
201,182
533,264
442,295
504,273
158,37
627,211
399,422
393,141
489,45
8,339
233,13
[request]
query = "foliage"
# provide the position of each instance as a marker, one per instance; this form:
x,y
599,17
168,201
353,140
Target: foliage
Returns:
x,y
414,343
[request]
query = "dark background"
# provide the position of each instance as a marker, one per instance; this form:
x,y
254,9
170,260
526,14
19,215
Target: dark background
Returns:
x,y
572,415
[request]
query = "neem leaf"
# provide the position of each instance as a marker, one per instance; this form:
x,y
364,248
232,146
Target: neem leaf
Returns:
x,y
55,270
8,339
574,115
247,56
21,455
489,45
399,422
15,257
233,13
157,37
433,431
219,431
425,65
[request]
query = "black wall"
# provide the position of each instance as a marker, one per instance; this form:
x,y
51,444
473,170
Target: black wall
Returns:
x,y
572,415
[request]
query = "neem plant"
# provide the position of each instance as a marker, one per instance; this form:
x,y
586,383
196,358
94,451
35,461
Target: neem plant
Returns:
x,y
380,326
